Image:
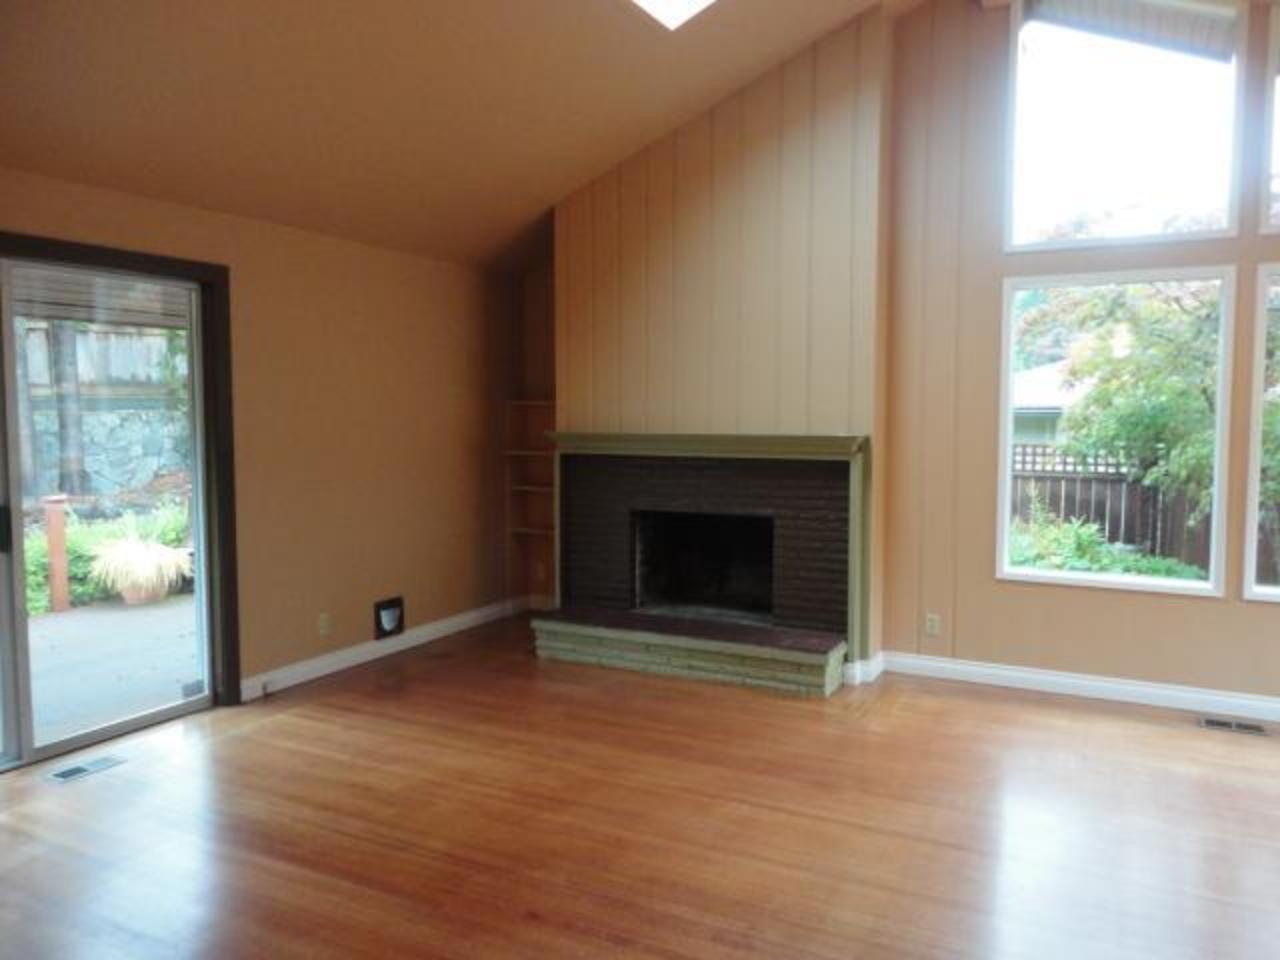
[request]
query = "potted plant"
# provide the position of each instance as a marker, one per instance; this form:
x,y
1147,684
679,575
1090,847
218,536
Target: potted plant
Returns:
x,y
139,570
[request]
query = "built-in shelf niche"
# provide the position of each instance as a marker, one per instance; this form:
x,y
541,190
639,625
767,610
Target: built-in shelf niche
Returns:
x,y
530,497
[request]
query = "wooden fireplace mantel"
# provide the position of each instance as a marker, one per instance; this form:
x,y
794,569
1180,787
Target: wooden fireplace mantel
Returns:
x,y
771,446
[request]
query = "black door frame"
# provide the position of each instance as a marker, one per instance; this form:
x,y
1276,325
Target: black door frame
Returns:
x,y
214,281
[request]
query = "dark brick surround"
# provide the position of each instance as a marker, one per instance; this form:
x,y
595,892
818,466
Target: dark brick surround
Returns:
x,y
807,499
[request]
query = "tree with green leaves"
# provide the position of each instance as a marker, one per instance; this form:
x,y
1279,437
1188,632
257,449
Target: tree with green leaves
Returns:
x,y
1149,355
1269,490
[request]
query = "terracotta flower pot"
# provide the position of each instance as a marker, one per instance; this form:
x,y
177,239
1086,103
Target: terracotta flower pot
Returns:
x,y
136,596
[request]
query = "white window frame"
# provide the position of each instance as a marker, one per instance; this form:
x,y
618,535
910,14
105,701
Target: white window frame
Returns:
x,y
1231,230
1214,586
1267,272
1265,224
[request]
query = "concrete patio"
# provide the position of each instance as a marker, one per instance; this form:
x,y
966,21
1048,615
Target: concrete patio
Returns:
x,y
99,664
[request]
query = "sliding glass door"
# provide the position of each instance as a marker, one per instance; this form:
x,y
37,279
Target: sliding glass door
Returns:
x,y
10,726
107,603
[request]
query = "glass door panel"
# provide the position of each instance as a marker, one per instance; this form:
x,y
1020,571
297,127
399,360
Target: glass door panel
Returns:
x,y
10,745
104,440
12,687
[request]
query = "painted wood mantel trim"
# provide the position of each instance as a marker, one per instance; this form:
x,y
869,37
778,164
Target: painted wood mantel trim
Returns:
x,y
764,446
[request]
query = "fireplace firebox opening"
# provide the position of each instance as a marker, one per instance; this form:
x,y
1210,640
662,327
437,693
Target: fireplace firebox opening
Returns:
x,y
704,565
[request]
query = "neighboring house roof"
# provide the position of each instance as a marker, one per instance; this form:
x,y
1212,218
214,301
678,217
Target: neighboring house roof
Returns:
x,y
1044,389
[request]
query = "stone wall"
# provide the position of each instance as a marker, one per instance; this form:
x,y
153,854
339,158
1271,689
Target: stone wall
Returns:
x,y
124,448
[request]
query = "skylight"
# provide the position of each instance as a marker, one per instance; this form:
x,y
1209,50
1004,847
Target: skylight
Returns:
x,y
673,13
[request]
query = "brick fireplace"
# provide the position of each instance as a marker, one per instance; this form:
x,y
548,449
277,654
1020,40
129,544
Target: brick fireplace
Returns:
x,y
728,558
700,563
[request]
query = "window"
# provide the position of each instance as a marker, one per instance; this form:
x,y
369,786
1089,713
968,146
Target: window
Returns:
x,y
1113,421
1262,564
1271,195
673,14
1124,120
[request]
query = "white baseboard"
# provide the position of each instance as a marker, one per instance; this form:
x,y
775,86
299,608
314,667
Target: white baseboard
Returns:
x,y
864,671
251,688
1175,696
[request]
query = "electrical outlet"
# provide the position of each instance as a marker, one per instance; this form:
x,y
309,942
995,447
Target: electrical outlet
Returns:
x,y
324,625
933,624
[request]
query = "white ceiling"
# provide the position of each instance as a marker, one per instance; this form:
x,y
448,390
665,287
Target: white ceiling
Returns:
x,y
443,127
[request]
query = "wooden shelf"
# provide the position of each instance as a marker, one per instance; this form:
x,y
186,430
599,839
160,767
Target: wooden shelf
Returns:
x,y
529,494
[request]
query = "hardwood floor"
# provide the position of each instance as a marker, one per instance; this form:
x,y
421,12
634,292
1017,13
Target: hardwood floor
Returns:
x,y
463,800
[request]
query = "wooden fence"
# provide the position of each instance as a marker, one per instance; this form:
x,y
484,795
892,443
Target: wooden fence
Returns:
x,y
1097,490
1268,559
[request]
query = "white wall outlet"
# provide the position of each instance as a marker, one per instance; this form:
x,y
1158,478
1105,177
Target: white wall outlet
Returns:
x,y
324,625
933,624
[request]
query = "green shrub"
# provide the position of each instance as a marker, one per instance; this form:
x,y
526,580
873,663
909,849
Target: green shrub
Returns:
x,y
35,555
83,536
166,524
1046,543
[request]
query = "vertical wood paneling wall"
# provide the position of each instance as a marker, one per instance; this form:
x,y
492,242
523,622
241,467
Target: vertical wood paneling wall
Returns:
x,y
724,280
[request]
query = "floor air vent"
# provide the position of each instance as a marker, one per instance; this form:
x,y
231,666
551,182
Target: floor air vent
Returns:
x,y
1233,726
81,770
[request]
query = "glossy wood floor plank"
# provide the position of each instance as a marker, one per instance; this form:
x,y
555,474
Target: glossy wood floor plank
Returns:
x,y
464,800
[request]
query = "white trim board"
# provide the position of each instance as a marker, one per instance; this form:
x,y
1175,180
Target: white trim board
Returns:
x,y
256,686
1171,695
857,672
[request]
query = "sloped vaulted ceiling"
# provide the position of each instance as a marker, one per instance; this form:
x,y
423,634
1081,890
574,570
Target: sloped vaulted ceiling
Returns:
x,y
442,127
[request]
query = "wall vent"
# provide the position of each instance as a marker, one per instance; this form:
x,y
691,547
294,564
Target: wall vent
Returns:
x,y
1233,726
388,618
81,770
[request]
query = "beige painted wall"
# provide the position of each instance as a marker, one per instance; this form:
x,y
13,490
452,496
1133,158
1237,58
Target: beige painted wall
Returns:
x,y
368,386
724,279
951,76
